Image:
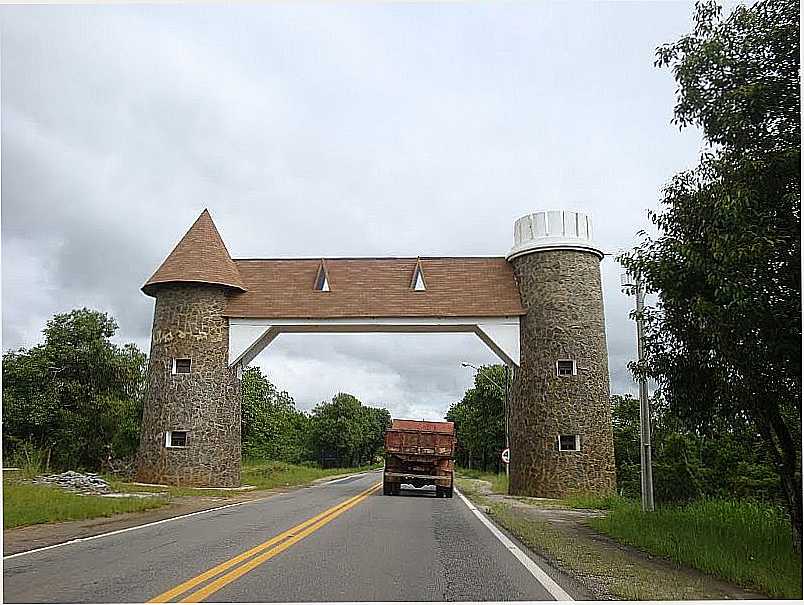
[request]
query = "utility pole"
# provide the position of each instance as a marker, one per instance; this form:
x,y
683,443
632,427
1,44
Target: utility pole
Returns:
x,y
506,393
635,283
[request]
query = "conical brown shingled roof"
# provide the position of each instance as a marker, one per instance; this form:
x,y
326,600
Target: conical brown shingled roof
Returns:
x,y
200,257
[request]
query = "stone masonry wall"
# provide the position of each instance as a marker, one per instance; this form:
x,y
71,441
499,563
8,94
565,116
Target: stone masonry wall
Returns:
x,y
188,323
562,294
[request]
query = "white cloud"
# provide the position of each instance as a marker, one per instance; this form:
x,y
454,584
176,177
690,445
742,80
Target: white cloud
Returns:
x,y
414,375
324,129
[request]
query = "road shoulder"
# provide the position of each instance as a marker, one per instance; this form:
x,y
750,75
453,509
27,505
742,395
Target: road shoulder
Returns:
x,y
602,566
559,584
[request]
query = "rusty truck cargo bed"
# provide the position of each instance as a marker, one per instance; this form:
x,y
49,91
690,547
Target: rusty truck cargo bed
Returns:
x,y
423,426
420,453
421,438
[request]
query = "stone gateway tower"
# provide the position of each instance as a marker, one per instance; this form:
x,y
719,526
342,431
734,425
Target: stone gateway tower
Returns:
x,y
191,413
560,417
540,310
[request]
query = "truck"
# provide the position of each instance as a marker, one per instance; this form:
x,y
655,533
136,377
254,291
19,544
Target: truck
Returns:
x,y
419,453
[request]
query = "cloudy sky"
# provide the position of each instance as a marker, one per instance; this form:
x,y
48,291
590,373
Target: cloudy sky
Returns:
x,y
325,129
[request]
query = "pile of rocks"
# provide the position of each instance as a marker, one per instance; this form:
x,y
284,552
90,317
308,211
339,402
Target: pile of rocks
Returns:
x,y
84,483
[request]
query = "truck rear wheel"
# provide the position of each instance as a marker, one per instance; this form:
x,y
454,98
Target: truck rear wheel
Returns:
x,y
387,489
448,492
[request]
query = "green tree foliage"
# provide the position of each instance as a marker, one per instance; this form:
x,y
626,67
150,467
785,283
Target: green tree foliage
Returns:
x,y
272,427
625,426
344,432
480,420
688,465
724,340
77,394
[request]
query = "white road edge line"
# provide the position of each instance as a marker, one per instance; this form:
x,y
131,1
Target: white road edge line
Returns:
x,y
144,525
558,593
345,478
127,529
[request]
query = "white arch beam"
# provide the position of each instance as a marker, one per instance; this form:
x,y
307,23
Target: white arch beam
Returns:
x,y
248,337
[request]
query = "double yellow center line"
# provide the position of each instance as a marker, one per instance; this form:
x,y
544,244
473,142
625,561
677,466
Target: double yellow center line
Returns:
x,y
256,556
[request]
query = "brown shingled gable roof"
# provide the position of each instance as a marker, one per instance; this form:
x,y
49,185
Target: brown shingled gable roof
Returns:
x,y
200,257
376,287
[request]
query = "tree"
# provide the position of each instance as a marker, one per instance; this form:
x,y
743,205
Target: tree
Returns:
x,y
377,421
77,394
480,419
272,427
729,462
625,428
724,340
344,432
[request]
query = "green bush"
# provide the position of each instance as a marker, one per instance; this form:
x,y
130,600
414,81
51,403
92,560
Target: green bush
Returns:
x,y
687,465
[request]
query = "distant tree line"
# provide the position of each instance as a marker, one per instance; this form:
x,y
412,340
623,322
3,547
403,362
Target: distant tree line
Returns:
x,y
75,401
340,432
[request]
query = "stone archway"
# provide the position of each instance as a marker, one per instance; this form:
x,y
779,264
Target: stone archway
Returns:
x,y
536,308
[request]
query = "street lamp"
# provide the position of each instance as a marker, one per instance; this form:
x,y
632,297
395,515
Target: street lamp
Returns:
x,y
634,283
505,392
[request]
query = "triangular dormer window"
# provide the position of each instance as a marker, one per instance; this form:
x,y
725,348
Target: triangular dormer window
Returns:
x,y
417,283
322,278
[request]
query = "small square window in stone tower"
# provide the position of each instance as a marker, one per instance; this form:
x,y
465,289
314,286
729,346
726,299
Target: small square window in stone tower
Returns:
x,y
176,439
181,366
566,367
569,443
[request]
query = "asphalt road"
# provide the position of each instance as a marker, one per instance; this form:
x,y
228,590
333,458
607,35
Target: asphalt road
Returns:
x,y
346,543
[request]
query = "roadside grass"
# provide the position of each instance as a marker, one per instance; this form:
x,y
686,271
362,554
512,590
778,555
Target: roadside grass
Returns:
x,y
171,491
596,501
743,542
262,474
267,474
498,481
26,504
499,485
614,573
30,462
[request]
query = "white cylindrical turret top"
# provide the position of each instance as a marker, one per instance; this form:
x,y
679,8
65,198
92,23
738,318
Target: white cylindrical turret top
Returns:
x,y
553,230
